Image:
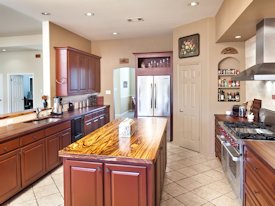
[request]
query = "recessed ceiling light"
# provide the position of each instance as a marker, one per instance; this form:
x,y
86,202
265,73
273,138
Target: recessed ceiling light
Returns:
x,y
193,3
115,33
135,19
238,37
89,14
3,50
46,13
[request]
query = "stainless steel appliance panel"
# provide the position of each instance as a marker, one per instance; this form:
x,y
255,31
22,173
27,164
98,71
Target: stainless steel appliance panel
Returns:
x,y
161,95
145,93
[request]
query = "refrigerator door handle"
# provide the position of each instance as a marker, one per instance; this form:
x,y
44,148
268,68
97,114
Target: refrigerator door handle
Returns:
x,y
155,96
151,96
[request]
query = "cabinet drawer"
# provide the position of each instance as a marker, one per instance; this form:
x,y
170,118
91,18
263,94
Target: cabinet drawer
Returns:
x,y
57,128
265,176
9,146
88,117
256,188
32,137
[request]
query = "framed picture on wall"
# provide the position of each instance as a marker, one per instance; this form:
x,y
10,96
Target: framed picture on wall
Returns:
x,y
189,46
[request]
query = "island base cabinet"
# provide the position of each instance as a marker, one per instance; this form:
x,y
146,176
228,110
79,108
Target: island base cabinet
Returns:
x,y
33,162
9,175
83,183
125,185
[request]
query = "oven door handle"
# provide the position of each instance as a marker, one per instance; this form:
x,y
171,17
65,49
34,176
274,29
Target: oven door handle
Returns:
x,y
221,138
232,152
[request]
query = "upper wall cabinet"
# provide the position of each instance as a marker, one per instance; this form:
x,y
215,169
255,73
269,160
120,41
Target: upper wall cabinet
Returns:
x,y
77,72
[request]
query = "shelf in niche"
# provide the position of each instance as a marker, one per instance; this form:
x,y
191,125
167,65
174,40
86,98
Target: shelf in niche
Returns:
x,y
226,75
228,87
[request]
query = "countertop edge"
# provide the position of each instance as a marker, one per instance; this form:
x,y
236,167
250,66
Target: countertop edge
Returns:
x,y
47,125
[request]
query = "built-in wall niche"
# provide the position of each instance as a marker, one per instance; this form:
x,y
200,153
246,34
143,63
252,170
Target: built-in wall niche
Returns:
x,y
154,62
228,89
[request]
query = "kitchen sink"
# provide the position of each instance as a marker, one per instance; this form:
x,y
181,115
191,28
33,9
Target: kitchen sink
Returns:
x,y
43,120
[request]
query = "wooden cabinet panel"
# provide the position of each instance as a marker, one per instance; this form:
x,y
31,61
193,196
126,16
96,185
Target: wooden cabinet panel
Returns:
x,y
77,72
33,162
9,146
32,137
218,145
57,128
83,184
123,181
73,72
66,138
10,177
88,127
52,148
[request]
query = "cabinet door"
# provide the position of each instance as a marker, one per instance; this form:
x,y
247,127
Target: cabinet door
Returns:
x,y
52,148
73,72
33,162
83,183
92,75
102,120
83,73
125,185
88,127
97,75
66,138
9,175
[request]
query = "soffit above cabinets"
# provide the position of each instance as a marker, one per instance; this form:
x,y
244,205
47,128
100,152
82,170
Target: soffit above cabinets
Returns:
x,y
245,25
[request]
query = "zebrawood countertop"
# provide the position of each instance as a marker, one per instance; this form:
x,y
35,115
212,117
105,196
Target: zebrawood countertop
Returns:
x,y
105,144
15,130
265,150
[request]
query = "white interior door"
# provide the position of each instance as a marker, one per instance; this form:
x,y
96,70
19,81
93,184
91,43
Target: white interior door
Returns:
x,y
16,93
1,94
189,106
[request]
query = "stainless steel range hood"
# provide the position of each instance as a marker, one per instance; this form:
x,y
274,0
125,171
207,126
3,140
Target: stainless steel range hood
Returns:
x,y
265,54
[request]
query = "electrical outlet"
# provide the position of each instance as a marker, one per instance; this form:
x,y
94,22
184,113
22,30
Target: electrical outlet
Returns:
x,y
108,92
273,96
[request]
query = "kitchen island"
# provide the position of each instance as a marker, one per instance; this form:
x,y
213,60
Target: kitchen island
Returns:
x,y
103,169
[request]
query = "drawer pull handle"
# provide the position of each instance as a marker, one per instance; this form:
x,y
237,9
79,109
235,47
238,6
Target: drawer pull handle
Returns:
x,y
96,120
107,170
89,123
65,134
5,149
98,169
255,169
256,192
101,117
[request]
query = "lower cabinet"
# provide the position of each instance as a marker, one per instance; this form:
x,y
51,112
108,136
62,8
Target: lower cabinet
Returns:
x,y
218,145
125,185
52,148
83,183
33,162
10,177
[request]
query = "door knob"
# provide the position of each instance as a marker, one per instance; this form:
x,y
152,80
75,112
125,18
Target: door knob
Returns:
x,y
181,110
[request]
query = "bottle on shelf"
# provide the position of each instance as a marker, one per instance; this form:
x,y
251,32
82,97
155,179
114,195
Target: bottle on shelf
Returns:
x,y
237,97
222,97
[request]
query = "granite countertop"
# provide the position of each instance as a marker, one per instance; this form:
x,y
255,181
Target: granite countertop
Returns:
x,y
105,144
229,118
265,150
15,130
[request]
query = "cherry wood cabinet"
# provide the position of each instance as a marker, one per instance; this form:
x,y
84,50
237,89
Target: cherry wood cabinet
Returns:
x,y
52,148
77,72
10,175
83,183
33,162
121,181
259,180
96,120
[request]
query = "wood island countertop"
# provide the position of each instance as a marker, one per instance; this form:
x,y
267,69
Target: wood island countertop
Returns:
x,y
15,130
265,150
105,144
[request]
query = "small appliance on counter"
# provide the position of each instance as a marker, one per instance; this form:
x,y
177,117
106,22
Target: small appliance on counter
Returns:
x,y
57,106
71,107
235,110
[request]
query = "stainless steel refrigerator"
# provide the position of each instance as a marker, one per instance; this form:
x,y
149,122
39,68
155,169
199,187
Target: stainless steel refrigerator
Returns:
x,y
153,96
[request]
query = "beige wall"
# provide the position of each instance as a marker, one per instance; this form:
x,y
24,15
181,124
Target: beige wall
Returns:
x,y
60,37
208,59
228,14
22,62
112,50
258,89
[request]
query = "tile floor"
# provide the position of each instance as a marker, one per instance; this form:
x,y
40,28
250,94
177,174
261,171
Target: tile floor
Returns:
x,y
191,180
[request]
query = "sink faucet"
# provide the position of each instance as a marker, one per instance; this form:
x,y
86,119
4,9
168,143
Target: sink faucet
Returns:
x,y
37,111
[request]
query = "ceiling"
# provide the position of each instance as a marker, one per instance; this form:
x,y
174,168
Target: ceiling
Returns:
x,y
160,16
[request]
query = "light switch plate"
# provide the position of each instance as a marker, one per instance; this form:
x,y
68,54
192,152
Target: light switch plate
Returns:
x,y
108,92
